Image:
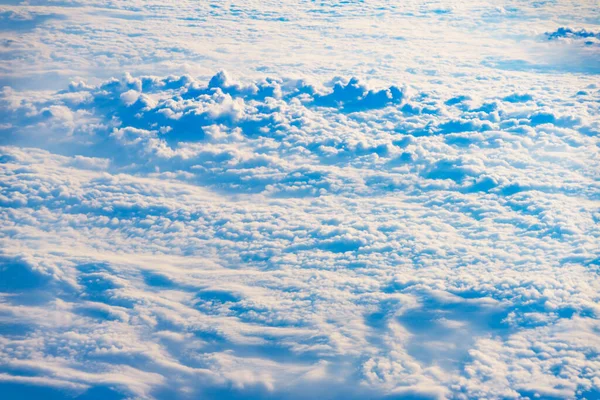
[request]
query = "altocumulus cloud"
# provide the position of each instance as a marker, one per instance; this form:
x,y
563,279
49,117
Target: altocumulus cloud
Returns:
x,y
275,236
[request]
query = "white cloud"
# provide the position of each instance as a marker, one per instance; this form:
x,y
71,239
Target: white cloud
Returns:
x,y
376,201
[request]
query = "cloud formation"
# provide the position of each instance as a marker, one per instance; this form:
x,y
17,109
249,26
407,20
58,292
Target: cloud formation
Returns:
x,y
405,220
368,237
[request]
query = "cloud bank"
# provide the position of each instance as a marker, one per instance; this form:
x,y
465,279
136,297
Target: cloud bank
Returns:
x,y
308,226
203,238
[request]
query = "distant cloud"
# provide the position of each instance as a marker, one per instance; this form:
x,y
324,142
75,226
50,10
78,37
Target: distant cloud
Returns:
x,y
569,33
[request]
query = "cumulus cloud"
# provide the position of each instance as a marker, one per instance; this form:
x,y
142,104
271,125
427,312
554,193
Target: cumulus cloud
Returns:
x,y
418,226
569,33
347,254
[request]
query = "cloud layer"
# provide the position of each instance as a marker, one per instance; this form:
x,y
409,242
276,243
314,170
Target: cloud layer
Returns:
x,y
253,238
328,225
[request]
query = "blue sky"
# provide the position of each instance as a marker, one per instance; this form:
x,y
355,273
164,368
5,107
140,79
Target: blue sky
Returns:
x,y
273,200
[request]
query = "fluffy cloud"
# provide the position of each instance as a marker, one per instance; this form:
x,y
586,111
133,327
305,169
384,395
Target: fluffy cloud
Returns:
x,y
563,33
427,231
373,239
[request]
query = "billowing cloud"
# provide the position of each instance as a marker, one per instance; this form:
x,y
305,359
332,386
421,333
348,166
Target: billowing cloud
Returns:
x,y
320,225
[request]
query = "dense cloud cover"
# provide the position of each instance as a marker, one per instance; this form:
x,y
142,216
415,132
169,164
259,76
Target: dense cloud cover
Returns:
x,y
289,229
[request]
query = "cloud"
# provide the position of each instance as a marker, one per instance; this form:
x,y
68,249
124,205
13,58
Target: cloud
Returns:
x,y
569,33
422,225
306,292
355,96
